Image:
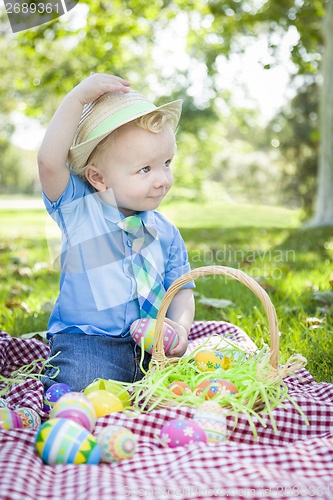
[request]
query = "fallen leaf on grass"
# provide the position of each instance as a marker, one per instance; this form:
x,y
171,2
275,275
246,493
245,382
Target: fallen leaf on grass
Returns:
x,y
23,272
12,304
216,303
314,322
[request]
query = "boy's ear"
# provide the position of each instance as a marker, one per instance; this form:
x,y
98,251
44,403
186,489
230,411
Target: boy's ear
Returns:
x,y
95,177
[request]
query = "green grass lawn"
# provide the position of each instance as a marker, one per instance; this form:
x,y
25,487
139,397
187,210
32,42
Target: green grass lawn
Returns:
x,y
292,264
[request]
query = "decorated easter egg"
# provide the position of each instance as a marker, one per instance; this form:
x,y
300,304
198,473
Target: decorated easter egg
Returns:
x,y
178,387
76,396
212,387
211,418
104,402
30,418
110,386
3,403
117,443
81,412
208,361
53,393
9,419
181,433
63,441
145,328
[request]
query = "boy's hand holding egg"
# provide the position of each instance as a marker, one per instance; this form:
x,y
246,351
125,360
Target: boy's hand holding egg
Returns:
x,y
174,336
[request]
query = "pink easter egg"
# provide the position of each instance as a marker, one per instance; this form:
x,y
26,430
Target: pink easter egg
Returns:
x,y
77,396
181,433
9,419
77,411
145,328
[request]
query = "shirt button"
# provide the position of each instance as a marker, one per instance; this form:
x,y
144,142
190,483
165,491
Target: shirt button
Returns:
x,y
129,243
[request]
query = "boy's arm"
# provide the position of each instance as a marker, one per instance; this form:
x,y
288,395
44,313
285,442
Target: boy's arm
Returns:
x,y
180,316
53,153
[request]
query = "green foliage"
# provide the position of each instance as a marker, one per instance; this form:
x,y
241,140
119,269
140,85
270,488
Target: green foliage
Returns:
x,y
119,37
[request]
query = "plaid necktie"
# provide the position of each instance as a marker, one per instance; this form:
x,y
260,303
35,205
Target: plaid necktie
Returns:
x,y
148,280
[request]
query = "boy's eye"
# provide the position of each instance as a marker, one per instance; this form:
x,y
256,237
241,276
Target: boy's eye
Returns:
x,y
167,163
144,170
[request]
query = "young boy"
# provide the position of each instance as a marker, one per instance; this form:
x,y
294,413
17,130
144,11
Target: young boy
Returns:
x,y
119,148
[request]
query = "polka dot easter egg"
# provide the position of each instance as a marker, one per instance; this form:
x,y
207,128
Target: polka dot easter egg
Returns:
x,y
9,419
181,433
53,393
62,441
117,443
30,418
208,361
211,418
212,387
145,328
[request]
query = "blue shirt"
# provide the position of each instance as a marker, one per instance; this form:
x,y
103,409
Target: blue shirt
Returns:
x,y
97,286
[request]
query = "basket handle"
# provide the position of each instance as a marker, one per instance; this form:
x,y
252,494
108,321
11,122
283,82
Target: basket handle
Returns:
x,y
158,355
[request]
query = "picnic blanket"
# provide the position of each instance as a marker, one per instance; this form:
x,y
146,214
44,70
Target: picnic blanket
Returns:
x,y
296,462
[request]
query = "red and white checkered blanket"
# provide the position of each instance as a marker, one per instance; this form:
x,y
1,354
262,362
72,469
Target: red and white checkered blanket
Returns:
x,y
297,462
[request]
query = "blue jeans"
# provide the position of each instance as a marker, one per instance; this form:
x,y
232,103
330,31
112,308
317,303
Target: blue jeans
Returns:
x,y
83,358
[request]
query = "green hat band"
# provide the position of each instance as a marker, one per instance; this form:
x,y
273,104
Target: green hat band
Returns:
x,y
120,116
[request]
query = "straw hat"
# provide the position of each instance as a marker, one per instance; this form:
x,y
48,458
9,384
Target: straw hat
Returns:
x,y
107,113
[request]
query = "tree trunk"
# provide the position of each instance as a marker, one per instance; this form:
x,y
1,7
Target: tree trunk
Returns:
x,y
323,215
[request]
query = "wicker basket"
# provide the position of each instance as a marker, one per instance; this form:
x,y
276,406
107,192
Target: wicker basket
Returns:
x,y
272,373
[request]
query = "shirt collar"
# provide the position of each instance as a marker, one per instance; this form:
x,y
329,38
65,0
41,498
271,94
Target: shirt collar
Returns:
x,y
112,214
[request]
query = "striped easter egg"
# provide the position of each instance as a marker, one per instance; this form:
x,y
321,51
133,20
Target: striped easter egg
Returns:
x,y
9,419
210,416
145,328
63,441
3,403
80,410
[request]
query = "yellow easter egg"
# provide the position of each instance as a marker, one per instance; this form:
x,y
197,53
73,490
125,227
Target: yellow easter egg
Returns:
x,y
104,402
208,361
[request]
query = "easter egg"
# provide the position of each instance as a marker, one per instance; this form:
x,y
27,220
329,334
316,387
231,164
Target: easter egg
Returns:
x,y
77,410
9,419
208,361
30,418
63,441
3,403
178,387
104,402
211,418
145,328
53,393
76,396
212,387
110,386
181,433
117,443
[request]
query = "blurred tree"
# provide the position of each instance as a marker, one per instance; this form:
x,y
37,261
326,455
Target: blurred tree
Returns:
x,y
119,37
296,128
221,24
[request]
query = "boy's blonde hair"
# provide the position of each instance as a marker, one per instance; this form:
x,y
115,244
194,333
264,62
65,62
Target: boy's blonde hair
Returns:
x,y
153,122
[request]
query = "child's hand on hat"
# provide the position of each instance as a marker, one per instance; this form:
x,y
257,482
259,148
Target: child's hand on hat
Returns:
x,y
182,343
98,84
